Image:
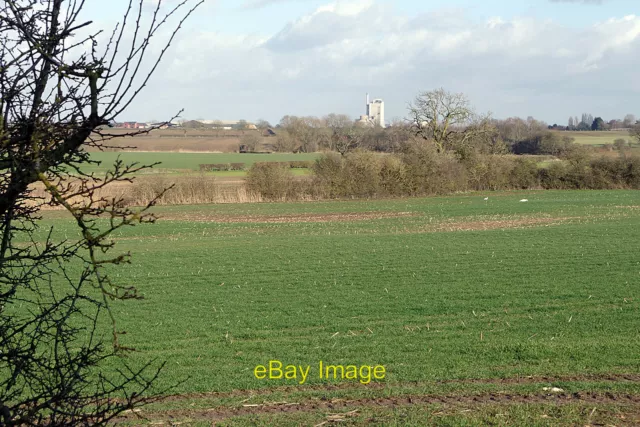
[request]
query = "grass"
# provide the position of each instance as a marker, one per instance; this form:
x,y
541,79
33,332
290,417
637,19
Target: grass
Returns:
x,y
438,289
444,415
180,162
596,138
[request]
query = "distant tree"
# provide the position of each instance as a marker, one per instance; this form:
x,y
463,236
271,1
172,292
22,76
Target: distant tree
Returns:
x,y
339,125
629,120
598,124
285,143
620,144
251,141
550,143
446,119
397,134
582,126
306,131
242,124
263,124
570,123
513,129
338,121
634,132
348,139
585,119
615,124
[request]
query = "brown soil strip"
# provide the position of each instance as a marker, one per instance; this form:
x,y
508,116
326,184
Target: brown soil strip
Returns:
x,y
456,225
500,224
217,414
379,386
285,219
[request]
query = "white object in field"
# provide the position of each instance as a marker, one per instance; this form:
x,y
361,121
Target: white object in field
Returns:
x,y
524,200
486,198
553,389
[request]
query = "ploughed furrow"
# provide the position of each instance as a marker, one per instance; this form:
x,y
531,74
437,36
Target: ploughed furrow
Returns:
x,y
446,401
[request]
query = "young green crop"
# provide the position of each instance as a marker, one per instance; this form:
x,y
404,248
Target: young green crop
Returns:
x,y
433,289
190,161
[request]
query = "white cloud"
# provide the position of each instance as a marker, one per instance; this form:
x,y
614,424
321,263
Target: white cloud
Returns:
x,y
323,62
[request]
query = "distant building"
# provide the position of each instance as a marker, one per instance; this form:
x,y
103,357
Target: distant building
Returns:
x,y
222,124
133,125
374,113
162,125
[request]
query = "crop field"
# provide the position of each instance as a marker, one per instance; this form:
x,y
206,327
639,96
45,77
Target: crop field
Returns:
x,y
185,140
596,138
481,311
187,162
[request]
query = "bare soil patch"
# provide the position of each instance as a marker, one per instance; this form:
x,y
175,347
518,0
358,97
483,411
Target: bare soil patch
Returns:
x,y
380,386
183,140
284,219
500,223
464,401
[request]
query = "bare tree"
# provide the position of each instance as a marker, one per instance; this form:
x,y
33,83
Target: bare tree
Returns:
x,y
307,132
634,132
629,120
348,139
250,142
284,143
338,125
59,90
446,119
338,121
263,124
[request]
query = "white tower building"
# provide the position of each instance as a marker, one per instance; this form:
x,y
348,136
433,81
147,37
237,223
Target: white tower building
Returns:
x,y
375,111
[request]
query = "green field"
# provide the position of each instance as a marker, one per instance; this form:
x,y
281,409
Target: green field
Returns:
x,y
181,162
453,295
596,138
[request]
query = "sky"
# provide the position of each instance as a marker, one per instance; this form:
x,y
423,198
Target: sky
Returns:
x,y
263,59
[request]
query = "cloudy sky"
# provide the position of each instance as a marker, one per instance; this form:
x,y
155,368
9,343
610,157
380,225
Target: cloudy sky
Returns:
x,y
251,59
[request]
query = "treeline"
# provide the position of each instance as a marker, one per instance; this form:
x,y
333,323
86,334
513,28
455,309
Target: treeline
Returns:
x,y
419,170
443,147
509,136
587,123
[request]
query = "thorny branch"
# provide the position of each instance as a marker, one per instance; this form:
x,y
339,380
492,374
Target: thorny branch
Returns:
x,y
57,92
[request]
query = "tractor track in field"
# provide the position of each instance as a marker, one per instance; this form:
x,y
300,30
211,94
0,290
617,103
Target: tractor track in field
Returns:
x,y
379,386
286,218
453,401
320,404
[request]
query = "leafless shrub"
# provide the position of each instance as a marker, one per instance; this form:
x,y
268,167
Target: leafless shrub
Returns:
x,y
272,181
251,141
59,90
